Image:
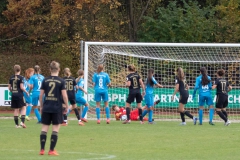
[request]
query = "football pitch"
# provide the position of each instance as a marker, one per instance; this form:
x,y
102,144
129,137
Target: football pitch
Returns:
x,y
163,141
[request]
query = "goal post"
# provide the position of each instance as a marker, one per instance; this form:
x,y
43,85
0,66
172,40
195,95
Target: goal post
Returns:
x,y
164,58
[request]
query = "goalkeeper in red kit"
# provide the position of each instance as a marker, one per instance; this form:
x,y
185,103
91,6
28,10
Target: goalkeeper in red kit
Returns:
x,y
121,111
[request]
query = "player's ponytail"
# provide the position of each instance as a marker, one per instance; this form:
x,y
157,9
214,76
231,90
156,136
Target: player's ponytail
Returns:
x,y
150,75
67,72
54,66
100,68
180,74
28,72
205,79
131,68
17,69
221,72
37,69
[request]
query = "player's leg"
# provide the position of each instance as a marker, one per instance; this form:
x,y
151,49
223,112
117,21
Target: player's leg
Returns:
x,y
29,106
35,99
97,98
107,110
138,97
84,112
181,111
209,101
80,101
219,107
225,104
46,121
183,100
201,108
150,116
129,100
65,119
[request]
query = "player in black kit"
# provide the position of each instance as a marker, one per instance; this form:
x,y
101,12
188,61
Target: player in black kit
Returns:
x,y
182,88
51,109
134,82
16,86
223,88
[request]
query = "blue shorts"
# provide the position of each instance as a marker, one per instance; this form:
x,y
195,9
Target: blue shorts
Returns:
x,y
28,99
80,101
101,95
207,99
149,100
35,99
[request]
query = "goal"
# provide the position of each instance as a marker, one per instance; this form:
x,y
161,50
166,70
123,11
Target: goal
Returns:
x,y
164,58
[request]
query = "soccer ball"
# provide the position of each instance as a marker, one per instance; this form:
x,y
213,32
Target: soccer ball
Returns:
x,y
123,117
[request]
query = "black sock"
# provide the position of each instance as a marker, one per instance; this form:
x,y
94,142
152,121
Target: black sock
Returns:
x,y
16,120
182,116
140,114
23,118
225,113
43,137
76,113
54,138
128,113
188,114
222,116
64,117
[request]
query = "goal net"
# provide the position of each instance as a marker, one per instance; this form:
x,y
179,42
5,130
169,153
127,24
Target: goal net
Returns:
x,y
164,58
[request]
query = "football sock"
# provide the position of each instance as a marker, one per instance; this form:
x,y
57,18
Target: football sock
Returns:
x,y
150,114
69,111
182,116
128,113
140,114
77,113
144,113
54,138
211,114
222,116
65,118
37,114
84,111
200,114
225,113
29,108
23,118
98,113
107,112
43,137
16,120
188,114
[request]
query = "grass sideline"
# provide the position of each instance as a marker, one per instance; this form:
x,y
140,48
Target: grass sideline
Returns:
x,y
163,141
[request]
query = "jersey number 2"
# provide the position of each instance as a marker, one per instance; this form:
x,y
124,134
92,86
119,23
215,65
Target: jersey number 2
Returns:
x,y
52,85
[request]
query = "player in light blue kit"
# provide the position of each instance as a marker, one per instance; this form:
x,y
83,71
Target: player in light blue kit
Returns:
x,y
36,82
203,83
28,98
101,81
149,98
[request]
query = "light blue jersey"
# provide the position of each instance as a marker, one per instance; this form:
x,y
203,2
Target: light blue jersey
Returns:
x,y
101,81
149,88
26,84
28,99
80,83
203,90
36,81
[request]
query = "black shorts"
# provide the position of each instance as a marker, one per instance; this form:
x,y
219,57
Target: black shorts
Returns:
x,y
183,99
222,101
132,96
18,103
52,118
72,101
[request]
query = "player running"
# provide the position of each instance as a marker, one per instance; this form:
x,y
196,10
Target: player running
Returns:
x,y
28,98
134,82
101,81
149,98
204,84
36,81
223,88
182,88
54,89
16,87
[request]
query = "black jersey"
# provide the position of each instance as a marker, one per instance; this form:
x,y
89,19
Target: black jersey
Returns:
x,y
183,89
222,86
53,86
70,84
15,82
135,84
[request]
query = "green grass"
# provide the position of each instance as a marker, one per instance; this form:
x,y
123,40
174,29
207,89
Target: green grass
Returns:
x,y
163,140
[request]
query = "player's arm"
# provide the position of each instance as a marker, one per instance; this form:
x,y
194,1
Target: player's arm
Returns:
x,y
156,83
10,87
22,87
229,88
143,87
195,88
41,99
65,98
128,82
175,91
82,89
215,84
108,81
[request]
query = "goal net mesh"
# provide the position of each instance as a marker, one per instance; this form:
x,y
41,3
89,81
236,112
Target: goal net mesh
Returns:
x,y
164,59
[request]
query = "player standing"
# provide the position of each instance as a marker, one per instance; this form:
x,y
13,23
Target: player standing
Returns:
x,y
203,83
223,88
182,87
36,81
149,98
28,98
134,82
54,89
16,86
101,81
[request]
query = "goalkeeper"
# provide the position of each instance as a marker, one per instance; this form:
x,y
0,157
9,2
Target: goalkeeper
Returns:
x,y
203,83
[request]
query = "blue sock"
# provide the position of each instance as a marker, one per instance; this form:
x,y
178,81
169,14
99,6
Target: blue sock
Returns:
x,y
84,111
29,108
36,111
211,114
144,113
69,110
98,113
107,112
150,115
200,113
